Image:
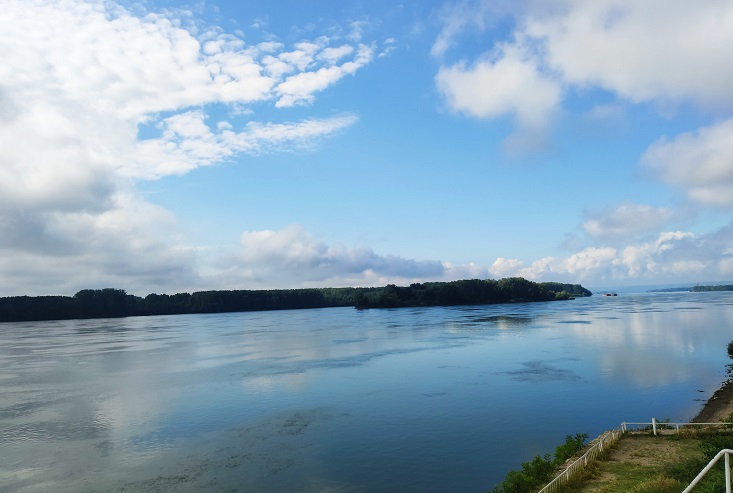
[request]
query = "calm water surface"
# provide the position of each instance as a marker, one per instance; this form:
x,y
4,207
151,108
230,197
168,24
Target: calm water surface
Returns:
x,y
340,400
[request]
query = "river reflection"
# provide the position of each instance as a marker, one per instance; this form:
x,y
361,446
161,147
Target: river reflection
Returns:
x,y
429,399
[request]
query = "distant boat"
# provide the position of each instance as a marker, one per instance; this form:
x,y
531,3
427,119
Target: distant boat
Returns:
x,y
610,294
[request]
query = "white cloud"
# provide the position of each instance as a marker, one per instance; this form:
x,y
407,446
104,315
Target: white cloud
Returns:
x,y
61,54
459,16
661,51
504,267
700,162
78,80
667,53
627,220
357,31
333,55
187,143
132,244
668,50
671,257
301,58
292,257
454,19
506,82
302,87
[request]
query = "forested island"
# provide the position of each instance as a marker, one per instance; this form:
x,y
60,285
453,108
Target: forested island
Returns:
x,y
111,302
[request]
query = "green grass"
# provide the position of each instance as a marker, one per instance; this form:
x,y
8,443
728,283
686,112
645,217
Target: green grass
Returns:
x,y
662,464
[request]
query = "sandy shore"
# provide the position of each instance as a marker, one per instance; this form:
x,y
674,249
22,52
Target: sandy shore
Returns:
x,y
719,407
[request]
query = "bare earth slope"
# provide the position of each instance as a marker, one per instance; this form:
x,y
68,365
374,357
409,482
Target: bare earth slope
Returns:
x,y
719,407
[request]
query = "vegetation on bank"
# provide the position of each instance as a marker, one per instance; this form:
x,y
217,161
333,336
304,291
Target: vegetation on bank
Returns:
x,y
639,463
541,470
110,302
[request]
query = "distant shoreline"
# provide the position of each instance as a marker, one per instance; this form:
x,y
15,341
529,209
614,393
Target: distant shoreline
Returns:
x,y
116,303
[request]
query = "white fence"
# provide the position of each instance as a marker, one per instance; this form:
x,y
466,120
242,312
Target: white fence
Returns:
x,y
723,453
608,438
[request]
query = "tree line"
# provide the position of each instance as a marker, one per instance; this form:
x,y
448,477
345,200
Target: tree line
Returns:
x,y
721,287
112,302
469,292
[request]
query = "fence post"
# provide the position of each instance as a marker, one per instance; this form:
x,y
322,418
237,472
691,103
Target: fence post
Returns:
x,y
654,426
727,473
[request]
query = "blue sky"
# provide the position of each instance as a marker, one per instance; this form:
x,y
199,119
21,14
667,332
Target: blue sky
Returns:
x,y
165,146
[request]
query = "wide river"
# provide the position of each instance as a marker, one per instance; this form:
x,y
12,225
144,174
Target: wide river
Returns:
x,y
340,400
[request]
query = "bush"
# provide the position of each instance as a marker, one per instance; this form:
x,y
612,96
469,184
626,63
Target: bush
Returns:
x,y
571,447
540,470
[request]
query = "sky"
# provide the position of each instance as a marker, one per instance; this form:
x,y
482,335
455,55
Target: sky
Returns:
x,y
164,146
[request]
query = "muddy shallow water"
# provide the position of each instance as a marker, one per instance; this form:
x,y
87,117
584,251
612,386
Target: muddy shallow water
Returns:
x,y
340,400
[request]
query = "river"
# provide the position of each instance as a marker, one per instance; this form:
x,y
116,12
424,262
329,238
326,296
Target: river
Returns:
x,y
440,399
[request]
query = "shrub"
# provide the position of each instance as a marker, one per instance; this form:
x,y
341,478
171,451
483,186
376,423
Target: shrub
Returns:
x,y
540,470
571,446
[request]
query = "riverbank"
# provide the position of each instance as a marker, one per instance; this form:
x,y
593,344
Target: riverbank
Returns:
x,y
719,407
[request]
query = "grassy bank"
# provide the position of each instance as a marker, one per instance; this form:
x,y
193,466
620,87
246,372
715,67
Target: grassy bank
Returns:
x,y
643,463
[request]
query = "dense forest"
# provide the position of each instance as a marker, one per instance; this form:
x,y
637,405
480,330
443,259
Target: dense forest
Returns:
x,y
110,302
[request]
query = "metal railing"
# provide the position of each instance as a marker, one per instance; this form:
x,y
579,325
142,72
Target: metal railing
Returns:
x,y
723,453
601,443
662,427
608,438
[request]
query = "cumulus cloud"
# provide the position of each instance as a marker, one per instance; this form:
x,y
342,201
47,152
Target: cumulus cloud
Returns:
x,y
644,51
669,257
78,82
505,267
699,162
292,256
627,220
661,51
132,244
508,81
